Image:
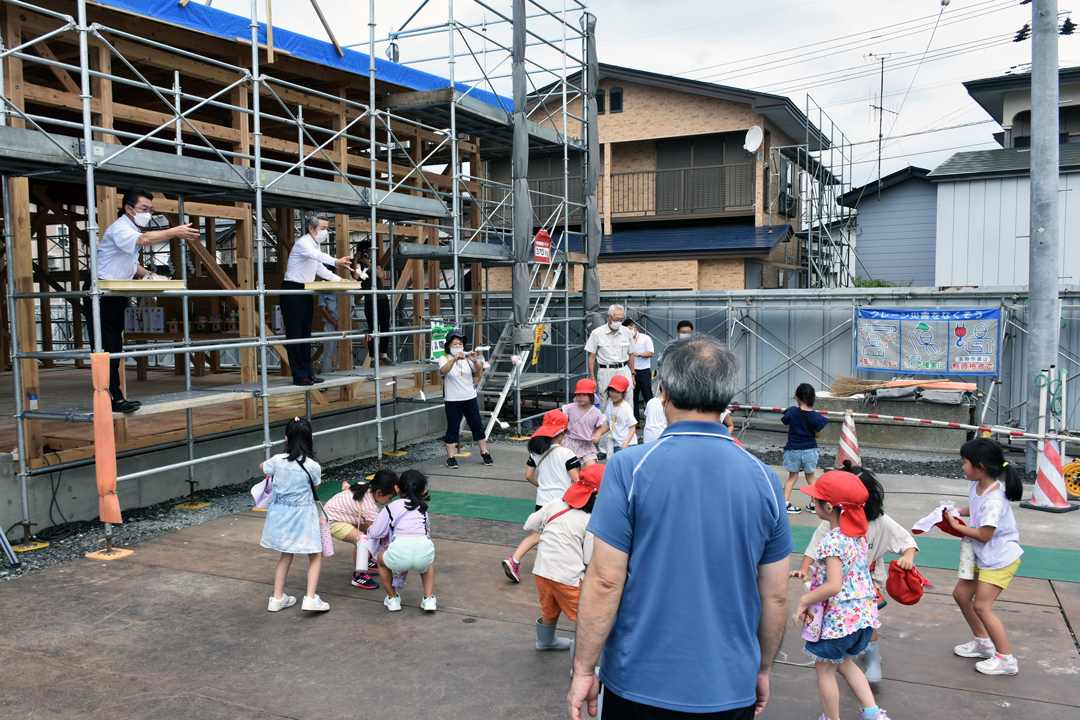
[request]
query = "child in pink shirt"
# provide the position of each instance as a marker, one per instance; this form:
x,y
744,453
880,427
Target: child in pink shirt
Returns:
x,y
585,419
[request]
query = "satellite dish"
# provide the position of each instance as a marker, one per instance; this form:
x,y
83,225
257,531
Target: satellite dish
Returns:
x,y
753,139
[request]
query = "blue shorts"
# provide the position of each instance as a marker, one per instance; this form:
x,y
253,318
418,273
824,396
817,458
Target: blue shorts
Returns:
x,y
805,460
834,650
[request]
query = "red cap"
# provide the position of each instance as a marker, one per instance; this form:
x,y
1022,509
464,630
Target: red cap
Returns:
x,y
585,386
588,483
619,383
844,490
905,586
555,422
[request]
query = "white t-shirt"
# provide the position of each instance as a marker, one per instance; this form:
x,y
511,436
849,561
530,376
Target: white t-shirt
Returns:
x,y
566,547
655,420
620,420
118,251
553,472
458,383
643,344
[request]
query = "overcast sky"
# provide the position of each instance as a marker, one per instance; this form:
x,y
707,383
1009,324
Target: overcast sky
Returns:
x,y
794,48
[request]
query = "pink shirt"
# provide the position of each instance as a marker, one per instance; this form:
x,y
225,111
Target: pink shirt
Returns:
x,y
342,508
406,522
583,424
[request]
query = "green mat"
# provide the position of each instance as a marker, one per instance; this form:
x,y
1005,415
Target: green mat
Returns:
x,y
944,553
935,552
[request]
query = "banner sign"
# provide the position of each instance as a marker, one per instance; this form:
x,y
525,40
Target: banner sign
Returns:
x,y
928,342
542,248
538,339
438,339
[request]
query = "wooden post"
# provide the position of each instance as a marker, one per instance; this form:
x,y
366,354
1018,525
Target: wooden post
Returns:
x,y
44,304
245,270
73,275
344,249
19,256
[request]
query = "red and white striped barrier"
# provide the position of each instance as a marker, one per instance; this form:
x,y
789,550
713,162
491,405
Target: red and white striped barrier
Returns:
x,y
938,423
1050,494
849,443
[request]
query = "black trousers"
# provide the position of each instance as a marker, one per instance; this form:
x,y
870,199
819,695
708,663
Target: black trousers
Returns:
x,y
617,708
384,324
112,333
297,312
642,389
471,410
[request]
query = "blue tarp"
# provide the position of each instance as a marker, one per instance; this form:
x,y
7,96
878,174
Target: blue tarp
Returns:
x,y
223,24
732,238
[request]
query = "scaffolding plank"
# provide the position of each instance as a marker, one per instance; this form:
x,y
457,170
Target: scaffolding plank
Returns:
x,y
140,286
338,286
25,152
198,397
487,253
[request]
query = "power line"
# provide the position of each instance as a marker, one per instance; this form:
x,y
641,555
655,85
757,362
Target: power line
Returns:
x,y
925,152
736,73
924,132
794,51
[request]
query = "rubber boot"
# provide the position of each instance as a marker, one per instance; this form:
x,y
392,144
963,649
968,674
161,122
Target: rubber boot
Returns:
x,y
546,640
873,663
573,652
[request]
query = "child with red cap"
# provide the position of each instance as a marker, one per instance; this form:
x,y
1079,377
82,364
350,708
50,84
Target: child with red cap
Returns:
x,y
840,579
552,468
585,419
565,551
620,416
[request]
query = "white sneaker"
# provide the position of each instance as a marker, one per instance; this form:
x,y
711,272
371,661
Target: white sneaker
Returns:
x,y
393,604
998,665
427,603
315,604
976,648
280,603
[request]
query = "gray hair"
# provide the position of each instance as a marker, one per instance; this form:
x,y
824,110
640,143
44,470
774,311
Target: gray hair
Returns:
x,y
611,310
699,373
314,220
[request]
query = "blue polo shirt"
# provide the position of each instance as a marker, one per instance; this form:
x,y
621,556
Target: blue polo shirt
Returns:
x,y
700,509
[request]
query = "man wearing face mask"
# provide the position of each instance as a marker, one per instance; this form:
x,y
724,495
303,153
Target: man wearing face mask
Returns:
x,y
684,328
610,347
306,260
118,259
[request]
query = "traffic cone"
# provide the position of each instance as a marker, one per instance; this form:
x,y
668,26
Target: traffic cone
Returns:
x,y
849,442
1050,494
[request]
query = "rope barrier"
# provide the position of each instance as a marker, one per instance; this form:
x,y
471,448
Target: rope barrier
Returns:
x,y
922,421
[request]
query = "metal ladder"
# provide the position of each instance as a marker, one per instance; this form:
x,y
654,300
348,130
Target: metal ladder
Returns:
x,y
502,366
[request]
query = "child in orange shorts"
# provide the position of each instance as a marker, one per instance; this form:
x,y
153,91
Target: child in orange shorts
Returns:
x,y
563,554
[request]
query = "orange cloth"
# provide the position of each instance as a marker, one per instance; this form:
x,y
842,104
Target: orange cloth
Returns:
x,y
556,597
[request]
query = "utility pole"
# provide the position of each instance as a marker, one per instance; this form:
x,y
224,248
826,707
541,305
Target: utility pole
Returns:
x,y
1044,263
881,112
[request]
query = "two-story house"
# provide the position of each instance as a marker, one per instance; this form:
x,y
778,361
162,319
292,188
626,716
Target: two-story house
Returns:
x,y
684,205
984,196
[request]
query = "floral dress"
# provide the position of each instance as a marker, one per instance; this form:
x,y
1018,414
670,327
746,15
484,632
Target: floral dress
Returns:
x,y
853,608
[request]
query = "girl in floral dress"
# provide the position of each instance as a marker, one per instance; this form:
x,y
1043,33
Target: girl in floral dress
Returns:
x,y
840,579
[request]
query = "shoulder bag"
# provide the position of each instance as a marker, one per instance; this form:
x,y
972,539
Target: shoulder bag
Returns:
x,y
263,493
324,526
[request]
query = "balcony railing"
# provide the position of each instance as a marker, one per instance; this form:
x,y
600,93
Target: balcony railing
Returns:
x,y
712,190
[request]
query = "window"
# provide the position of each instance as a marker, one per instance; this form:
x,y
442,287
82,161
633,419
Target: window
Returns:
x,y
615,100
599,102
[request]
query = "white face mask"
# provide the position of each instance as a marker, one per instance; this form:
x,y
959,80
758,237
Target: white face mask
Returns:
x,y
456,350
682,335
322,236
143,219
615,325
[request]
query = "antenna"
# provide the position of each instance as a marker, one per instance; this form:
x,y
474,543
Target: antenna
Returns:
x,y
881,111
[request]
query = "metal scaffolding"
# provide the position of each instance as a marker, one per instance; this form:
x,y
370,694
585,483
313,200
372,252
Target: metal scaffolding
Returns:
x,y
399,164
808,179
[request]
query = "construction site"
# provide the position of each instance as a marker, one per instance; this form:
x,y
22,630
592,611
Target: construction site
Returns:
x,y
417,147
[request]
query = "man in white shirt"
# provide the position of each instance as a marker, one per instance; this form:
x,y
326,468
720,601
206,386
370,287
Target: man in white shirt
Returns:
x,y
328,309
642,354
305,262
609,348
118,259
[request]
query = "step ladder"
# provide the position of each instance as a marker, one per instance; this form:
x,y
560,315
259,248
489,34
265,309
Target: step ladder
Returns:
x,y
502,366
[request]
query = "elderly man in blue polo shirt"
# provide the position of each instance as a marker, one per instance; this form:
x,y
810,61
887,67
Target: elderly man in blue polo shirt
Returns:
x,y
699,505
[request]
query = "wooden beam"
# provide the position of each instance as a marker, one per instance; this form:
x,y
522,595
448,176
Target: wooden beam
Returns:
x,y
45,304
269,32
60,73
326,26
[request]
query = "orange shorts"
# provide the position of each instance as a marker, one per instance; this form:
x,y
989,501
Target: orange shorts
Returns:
x,y
556,597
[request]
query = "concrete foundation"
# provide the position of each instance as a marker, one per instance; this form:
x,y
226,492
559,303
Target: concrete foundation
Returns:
x,y
886,433
77,491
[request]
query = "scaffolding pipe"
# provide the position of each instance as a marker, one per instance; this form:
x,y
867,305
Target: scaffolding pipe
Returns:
x,y
374,236
257,222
